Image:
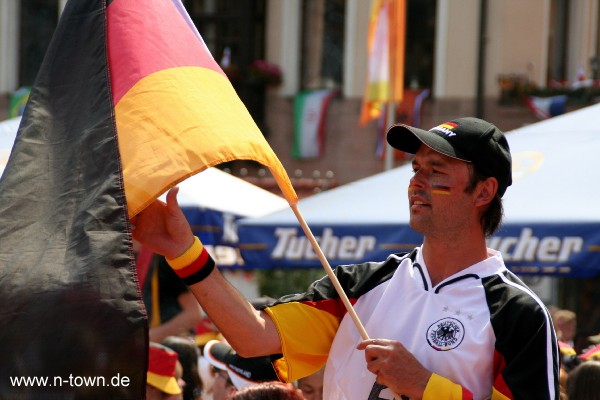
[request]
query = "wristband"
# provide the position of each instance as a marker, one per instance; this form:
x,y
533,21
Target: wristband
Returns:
x,y
194,265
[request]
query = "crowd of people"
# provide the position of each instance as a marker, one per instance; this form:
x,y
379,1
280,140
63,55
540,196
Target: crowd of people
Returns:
x,y
449,319
205,367
187,367
580,362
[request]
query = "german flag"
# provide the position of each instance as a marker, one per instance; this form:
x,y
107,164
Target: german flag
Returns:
x,y
127,103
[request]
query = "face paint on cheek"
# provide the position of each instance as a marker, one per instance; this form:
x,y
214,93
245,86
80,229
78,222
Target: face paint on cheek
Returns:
x,y
440,189
439,185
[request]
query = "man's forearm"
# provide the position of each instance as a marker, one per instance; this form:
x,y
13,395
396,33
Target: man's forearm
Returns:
x,y
250,332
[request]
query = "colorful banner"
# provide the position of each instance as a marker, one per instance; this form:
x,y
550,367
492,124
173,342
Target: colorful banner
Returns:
x,y
310,112
547,107
386,48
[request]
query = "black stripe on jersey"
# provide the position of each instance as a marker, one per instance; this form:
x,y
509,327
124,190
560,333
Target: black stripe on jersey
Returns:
x,y
356,280
524,336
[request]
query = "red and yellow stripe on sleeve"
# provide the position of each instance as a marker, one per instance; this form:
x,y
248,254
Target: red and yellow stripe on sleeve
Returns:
x,y
176,112
306,330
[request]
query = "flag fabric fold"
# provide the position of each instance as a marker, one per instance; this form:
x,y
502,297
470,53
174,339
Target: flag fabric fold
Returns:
x,y
71,306
310,112
385,48
127,103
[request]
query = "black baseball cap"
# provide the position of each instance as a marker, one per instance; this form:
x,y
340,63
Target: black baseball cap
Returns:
x,y
242,371
467,139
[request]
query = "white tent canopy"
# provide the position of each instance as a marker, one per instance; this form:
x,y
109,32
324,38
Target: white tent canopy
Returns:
x,y
552,211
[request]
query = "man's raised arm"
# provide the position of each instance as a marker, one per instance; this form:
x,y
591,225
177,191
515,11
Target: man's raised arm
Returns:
x,y
164,229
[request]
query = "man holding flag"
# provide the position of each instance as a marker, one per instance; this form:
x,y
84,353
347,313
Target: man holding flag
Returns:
x,y
450,320
113,121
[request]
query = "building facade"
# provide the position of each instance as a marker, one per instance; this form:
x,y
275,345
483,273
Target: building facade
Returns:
x,y
459,50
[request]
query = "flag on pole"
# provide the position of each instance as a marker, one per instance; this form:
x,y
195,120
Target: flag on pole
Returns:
x,y
385,47
176,111
127,103
310,111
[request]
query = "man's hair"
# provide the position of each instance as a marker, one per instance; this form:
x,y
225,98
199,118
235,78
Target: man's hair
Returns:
x,y
492,215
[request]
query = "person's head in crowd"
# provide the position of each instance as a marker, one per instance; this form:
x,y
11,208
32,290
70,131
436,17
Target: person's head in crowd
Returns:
x,y
207,376
223,387
187,351
274,390
583,382
204,332
312,385
565,324
163,379
234,372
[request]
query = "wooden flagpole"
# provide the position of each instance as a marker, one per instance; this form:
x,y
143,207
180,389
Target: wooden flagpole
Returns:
x,y
329,270
336,283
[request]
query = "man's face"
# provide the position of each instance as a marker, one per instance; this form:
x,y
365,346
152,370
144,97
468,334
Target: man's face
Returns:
x,y
222,388
438,203
312,386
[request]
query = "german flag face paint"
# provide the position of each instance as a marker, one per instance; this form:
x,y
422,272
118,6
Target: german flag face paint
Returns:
x,y
440,189
439,184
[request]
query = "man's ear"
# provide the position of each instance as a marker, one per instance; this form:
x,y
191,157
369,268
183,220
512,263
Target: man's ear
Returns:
x,y
486,191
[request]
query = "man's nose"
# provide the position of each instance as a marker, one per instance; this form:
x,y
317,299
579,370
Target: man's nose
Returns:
x,y
418,179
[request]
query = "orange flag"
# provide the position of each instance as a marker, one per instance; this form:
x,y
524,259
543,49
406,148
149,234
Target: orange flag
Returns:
x,y
386,48
176,112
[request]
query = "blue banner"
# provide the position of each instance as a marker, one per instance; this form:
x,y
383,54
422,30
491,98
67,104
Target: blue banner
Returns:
x,y
539,249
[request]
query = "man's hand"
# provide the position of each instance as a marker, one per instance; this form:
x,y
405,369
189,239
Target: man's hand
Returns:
x,y
163,228
395,367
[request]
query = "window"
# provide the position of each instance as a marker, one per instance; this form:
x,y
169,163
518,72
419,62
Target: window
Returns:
x,y
235,24
322,43
557,46
239,27
420,48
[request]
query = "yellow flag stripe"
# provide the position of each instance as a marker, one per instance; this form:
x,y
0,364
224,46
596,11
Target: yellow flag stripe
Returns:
x,y
180,121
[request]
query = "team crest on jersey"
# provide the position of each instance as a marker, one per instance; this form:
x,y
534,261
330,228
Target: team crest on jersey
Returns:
x,y
445,334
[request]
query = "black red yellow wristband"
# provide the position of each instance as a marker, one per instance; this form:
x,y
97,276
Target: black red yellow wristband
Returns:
x,y
194,265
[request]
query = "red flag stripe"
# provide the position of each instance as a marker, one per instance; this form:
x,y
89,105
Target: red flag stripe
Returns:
x,y
144,40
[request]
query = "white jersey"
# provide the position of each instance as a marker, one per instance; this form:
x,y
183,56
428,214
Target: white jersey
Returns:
x,y
480,328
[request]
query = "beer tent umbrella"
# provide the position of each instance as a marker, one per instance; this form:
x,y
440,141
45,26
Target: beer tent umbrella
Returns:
x,y
551,225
